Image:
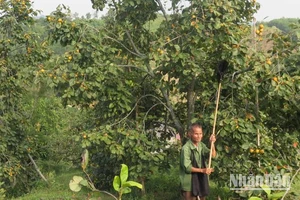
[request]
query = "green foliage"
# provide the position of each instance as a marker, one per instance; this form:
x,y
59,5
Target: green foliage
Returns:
x,y
77,182
19,52
122,185
145,153
270,196
133,81
59,188
107,70
2,192
163,183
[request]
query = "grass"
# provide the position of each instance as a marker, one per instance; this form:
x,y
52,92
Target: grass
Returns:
x,y
58,189
164,185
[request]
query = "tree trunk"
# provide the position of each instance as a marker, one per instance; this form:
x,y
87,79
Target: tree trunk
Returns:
x,y
191,97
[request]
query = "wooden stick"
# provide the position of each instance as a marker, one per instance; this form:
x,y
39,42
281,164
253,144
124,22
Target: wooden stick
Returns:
x,y
214,125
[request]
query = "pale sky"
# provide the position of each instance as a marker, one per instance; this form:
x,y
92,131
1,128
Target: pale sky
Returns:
x,y
270,9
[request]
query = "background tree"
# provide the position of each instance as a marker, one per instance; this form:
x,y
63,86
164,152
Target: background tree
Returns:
x,y
29,114
283,24
17,46
136,82
111,65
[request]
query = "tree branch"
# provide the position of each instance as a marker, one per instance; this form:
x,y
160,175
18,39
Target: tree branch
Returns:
x,y
241,71
133,45
162,9
137,54
37,168
147,95
133,66
177,123
287,191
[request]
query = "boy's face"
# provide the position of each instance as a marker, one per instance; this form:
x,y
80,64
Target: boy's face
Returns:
x,y
197,135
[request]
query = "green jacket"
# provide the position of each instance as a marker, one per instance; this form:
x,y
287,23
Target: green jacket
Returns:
x,y
186,162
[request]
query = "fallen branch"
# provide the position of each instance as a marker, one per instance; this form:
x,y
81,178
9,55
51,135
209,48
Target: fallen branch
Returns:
x,y
37,168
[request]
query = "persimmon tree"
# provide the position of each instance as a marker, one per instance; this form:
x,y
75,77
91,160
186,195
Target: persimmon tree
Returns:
x,y
22,55
134,76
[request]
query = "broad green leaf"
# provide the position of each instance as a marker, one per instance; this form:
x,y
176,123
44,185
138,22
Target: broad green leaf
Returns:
x,y
132,184
74,186
84,182
117,183
124,173
77,179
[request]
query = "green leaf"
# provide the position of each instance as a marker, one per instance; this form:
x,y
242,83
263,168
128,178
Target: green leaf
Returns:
x,y
298,35
152,64
132,184
235,52
267,189
84,182
72,82
124,173
126,190
58,25
77,179
117,183
276,196
75,187
245,146
131,3
255,198
177,47
74,184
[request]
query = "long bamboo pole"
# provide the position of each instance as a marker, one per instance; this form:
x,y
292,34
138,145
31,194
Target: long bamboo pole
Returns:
x,y
215,122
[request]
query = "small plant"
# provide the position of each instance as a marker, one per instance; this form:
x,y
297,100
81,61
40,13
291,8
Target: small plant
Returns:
x,y
120,183
270,196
